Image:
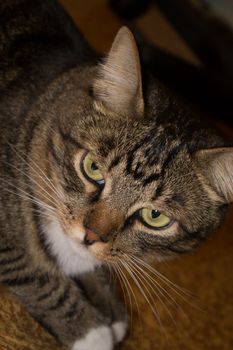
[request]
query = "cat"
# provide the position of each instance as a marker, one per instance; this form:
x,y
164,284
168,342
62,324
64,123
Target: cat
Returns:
x,y
100,166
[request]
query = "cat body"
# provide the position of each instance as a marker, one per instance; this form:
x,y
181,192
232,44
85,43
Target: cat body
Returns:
x,y
31,80
96,168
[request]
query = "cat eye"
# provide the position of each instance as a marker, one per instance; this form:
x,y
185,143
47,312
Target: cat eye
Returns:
x,y
154,218
91,169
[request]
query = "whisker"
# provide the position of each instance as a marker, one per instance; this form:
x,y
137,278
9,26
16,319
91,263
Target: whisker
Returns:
x,y
181,292
151,283
160,288
132,292
125,283
49,197
153,307
49,182
111,278
162,277
44,206
23,194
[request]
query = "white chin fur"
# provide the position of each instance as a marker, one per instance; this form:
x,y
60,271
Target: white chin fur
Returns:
x,y
73,258
96,339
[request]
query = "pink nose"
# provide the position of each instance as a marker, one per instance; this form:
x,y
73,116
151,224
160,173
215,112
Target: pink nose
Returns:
x,y
91,237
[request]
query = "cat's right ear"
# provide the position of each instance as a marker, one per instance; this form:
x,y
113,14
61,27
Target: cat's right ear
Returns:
x,y
118,86
217,166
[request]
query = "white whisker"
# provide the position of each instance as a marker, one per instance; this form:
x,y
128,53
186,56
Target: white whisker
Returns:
x,y
159,287
48,196
181,292
147,297
26,196
126,284
151,283
43,177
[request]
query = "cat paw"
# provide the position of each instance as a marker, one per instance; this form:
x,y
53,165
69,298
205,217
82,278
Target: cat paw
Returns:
x,y
100,338
119,330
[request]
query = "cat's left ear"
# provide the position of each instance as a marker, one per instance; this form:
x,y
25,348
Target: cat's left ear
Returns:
x,y
217,165
119,85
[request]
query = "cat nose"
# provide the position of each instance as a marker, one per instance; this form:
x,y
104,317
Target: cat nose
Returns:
x,y
92,237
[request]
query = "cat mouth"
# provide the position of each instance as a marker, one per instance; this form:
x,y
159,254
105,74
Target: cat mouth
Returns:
x,y
100,247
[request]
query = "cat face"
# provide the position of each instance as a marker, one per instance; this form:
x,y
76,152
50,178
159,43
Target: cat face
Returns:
x,y
137,175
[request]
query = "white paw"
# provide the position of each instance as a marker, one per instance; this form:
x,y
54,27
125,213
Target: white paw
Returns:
x,y
100,338
119,330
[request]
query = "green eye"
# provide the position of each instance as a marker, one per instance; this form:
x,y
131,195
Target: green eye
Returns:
x,y
91,169
154,218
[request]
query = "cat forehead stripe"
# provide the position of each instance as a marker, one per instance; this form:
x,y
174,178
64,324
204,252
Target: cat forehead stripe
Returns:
x,y
141,168
68,138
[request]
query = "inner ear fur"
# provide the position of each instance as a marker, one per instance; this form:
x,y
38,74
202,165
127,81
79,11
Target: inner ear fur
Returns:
x,y
118,85
217,166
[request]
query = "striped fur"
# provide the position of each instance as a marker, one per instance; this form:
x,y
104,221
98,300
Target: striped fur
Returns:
x,y
51,113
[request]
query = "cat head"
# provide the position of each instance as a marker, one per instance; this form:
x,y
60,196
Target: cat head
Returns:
x,y
138,174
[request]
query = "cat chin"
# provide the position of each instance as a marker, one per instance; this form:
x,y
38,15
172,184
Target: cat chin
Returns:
x,y
73,258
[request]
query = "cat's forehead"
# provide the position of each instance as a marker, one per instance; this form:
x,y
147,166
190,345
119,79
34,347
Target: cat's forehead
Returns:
x,y
143,160
143,146
126,134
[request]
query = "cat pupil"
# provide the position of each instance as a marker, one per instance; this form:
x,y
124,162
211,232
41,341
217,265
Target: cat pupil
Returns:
x,y
154,213
94,166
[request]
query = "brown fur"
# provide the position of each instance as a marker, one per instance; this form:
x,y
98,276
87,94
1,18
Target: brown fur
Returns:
x,y
57,106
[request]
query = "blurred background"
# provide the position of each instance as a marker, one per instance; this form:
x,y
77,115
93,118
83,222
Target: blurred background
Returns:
x,y
188,44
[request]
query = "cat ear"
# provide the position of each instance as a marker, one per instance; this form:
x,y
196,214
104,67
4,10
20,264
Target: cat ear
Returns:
x,y
217,165
119,85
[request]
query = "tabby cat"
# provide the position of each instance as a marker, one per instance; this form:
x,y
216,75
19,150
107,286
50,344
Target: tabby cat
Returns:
x,y
97,168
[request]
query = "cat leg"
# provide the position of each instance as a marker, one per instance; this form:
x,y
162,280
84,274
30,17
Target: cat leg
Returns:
x,y
96,285
62,308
